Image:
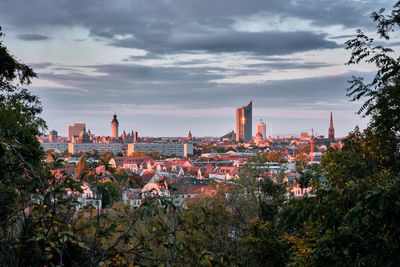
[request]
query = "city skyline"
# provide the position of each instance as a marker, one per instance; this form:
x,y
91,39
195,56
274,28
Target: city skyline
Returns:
x,y
165,72
255,125
77,128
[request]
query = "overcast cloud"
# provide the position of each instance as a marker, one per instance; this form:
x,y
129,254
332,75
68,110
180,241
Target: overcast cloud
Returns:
x,y
167,66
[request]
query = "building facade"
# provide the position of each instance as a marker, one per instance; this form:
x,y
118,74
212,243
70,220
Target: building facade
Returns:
x,y
244,123
166,149
115,148
53,135
74,130
58,147
262,128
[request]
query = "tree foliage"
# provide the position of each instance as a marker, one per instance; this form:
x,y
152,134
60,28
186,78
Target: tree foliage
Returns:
x,y
109,192
274,156
81,168
352,221
39,225
382,94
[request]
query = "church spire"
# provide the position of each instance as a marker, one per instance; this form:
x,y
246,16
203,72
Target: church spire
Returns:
x,y
190,138
331,131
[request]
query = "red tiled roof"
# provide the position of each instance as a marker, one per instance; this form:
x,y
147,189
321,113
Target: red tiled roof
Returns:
x,y
120,160
192,170
181,162
226,170
205,170
147,175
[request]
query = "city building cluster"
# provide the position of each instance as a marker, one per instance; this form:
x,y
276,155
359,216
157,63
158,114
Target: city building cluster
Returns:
x,y
79,140
191,166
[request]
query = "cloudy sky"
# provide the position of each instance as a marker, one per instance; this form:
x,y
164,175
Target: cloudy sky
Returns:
x,y
167,66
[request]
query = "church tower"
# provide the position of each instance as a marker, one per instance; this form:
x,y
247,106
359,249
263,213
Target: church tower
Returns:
x,y
331,131
190,138
114,127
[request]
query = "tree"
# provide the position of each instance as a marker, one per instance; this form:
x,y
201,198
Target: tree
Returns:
x,y
106,156
120,175
20,123
274,156
306,149
255,201
81,168
109,192
311,177
352,221
206,232
51,158
382,94
39,225
263,245
20,152
301,162
31,227
135,181
154,155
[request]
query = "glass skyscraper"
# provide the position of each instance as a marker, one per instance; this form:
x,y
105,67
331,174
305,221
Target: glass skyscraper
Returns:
x,y
244,123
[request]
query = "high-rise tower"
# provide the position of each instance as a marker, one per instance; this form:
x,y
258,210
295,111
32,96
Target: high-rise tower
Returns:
x,y
114,127
244,123
331,131
74,130
261,128
53,135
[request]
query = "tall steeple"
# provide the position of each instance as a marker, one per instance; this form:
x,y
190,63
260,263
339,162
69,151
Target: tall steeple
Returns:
x,y
331,131
189,138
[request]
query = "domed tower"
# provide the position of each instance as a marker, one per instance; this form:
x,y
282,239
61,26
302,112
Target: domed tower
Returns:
x,y
259,137
114,127
84,137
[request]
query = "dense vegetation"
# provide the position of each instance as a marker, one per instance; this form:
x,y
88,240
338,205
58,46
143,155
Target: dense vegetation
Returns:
x,y
352,221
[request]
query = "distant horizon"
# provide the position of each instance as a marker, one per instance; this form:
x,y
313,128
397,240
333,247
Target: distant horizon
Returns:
x,y
287,134
167,67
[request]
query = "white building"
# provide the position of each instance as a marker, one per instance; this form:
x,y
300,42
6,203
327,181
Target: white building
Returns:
x,y
261,128
58,147
115,148
166,149
132,197
86,197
